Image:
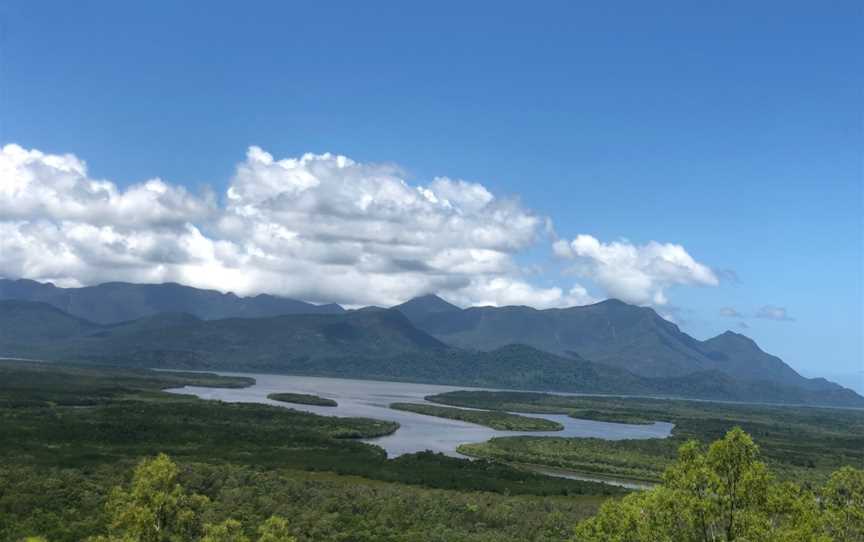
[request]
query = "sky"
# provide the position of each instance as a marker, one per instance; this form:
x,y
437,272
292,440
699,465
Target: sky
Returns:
x,y
701,158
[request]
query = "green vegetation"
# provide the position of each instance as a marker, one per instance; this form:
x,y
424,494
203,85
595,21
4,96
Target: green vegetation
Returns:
x,y
69,434
503,421
156,508
727,494
302,399
540,403
799,443
722,494
642,460
51,384
69,505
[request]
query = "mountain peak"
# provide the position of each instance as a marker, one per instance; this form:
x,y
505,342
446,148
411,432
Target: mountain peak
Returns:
x,y
618,305
419,308
612,302
730,337
431,298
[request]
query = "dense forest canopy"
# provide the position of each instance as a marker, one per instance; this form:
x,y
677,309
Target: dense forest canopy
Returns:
x,y
102,454
724,493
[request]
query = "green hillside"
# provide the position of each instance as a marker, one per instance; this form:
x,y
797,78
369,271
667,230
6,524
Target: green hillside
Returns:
x,y
380,344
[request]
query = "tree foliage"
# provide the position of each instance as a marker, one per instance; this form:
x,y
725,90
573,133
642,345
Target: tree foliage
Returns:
x,y
843,503
720,494
726,494
275,529
156,508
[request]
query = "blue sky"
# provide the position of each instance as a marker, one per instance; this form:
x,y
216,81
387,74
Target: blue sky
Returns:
x,y
733,129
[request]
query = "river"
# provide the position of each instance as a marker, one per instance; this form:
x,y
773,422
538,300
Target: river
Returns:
x,y
417,432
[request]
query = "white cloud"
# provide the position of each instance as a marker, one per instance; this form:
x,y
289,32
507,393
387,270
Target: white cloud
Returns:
x,y
317,227
773,312
501,291
38,186
634,273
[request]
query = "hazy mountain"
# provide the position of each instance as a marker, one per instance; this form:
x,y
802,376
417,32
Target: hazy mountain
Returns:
x,y
26,322
233,340
853,380
114,302
361,344
613,333
740,356
373,334
721,386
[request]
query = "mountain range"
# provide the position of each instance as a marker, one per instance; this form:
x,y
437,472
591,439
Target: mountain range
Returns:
x,y
114,302
608,347
610,332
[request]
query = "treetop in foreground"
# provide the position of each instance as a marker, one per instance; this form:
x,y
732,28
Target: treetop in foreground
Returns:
x,y
721,493
156,508
726,494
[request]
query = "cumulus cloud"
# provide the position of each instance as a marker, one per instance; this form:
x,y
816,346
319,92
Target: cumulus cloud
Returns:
x,y
730,312
317,227
34,185
635,273
773,312
501,291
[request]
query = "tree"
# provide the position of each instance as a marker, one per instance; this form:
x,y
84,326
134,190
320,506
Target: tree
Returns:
x,y
275,529
229,530
155,508
727,494
842,501
739,487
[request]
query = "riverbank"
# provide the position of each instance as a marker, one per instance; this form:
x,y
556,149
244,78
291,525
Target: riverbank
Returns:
x,y
799,443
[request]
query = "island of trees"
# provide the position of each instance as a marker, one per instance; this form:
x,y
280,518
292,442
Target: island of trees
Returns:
x,y
503,421
302,399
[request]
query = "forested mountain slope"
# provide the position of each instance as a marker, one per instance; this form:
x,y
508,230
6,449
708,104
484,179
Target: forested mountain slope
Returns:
x,y
381,344
613,333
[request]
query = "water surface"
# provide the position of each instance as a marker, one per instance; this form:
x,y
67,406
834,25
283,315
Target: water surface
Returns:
x,y
417,432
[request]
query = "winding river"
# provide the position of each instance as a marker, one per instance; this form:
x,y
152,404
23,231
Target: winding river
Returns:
x,y
417,432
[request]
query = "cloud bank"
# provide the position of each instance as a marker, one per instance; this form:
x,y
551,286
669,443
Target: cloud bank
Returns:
x,y
638,274
318,227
